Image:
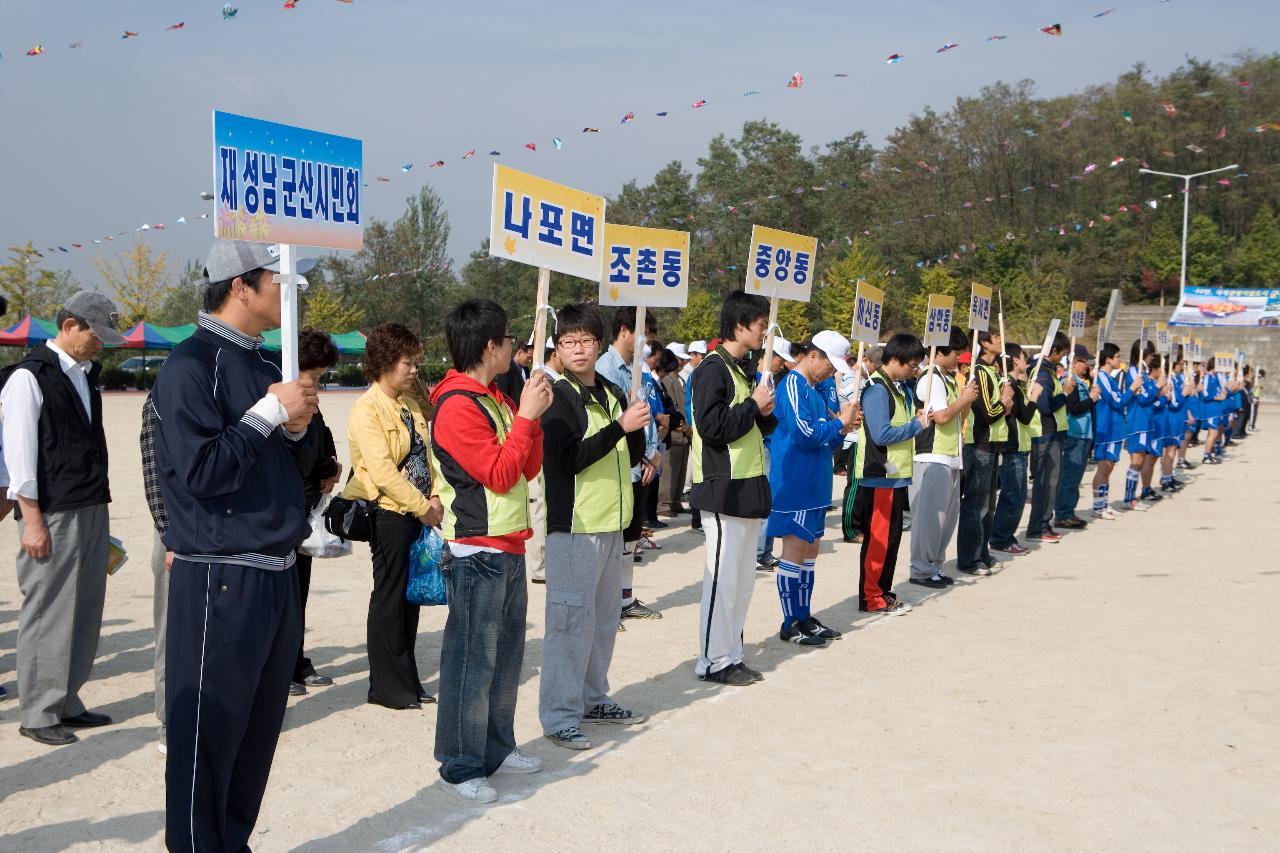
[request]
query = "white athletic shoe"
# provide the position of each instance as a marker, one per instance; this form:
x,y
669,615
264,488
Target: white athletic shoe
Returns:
x,y
518,762
1106,512
477,790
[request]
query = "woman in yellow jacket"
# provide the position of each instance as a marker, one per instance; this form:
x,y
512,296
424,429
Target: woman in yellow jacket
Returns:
x,y
389,447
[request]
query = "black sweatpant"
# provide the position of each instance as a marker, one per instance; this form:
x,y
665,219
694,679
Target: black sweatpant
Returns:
x,y
879,514
232,638
392,629
303,669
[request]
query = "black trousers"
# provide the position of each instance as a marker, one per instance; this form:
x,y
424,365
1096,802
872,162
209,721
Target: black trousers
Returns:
x,y
392,628
651,501
232,638
303,668
879,514
640,501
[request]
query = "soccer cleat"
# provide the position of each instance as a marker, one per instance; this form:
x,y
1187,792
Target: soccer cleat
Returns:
x,y
814,628
612,713
517,762
1152,497
1106,513
570,738
792,633
638,610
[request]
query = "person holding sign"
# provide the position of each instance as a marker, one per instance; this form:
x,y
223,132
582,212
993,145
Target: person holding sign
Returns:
x,y
1213,392
938,467
1140,420
1012,501
883,468
615,365
231,446
800,474
986,435
1109,428
1046,447
731,415
1172,420
1075,450
485,454
591,439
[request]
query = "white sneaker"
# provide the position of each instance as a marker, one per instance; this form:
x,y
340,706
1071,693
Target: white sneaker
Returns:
x,y
477,790
1106,512
518,762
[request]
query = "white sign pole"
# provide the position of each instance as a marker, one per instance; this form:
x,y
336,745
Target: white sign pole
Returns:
x,y
637,357
1004,354
540,317
289,313
766,361
857,375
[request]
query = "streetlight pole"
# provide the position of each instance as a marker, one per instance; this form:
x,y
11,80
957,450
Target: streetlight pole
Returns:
x,y
1186,213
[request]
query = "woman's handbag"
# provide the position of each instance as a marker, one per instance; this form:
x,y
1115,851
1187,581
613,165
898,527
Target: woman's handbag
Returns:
x,y
426,581
353,519
323,543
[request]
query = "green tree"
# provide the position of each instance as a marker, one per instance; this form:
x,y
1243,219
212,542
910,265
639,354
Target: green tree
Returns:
x,y
1257,261
180,302
833,298
1207,251
699,320
30,289
139,280
326,310
939,280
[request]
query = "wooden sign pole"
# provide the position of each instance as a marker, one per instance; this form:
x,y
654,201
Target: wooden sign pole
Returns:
x,y
766,361
540,317
857,374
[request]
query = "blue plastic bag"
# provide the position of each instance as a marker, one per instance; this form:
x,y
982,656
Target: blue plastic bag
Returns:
x,y
426,582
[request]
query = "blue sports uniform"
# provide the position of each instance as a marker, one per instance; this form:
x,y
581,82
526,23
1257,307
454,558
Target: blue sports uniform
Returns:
x,y
1141,420
1173,414
800,470
1109,429
1209,400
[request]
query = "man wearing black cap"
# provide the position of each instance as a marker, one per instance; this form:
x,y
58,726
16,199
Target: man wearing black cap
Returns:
x,y
56,453
231,441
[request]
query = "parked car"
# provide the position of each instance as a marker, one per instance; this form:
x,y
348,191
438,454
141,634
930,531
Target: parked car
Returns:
x,y
143,362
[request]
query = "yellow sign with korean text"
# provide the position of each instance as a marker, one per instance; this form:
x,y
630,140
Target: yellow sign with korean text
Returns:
x,y
979,307
645,266
544,224
868,309
1079,312
937,320
781,264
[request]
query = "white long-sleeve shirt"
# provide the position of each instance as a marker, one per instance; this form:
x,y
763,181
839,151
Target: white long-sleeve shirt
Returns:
x,y
20,404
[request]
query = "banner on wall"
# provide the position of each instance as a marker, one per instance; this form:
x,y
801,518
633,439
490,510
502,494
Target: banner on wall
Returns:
x,y
1228,306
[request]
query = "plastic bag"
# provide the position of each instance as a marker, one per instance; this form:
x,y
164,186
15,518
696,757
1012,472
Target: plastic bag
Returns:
x,y
322,544
426,581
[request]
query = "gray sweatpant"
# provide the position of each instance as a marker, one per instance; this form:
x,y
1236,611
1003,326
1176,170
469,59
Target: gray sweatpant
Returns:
x,y
935,509
160,617
61,616
584,585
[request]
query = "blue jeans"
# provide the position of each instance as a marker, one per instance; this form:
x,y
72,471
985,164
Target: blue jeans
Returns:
x,y
1046,468
1075,455
977,505
764,544
480,659
1013,497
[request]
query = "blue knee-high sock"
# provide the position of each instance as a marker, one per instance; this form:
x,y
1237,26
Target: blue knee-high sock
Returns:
x,y
788,575
806,589
1100,497
1130,485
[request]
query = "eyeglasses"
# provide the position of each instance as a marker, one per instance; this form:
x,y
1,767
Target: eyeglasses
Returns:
x,y
572,344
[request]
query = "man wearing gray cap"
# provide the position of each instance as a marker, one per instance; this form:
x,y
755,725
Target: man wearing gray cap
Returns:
x,y
231,441
56,453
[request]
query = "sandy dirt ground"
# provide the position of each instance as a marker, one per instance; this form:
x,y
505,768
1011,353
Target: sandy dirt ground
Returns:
x,y
1117,691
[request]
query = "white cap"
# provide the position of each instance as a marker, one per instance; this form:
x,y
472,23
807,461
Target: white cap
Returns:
x,y
698,347
836,347
648,351
677,349
782,348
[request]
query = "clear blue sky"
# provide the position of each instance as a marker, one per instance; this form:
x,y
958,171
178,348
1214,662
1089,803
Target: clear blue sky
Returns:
x,y
117,133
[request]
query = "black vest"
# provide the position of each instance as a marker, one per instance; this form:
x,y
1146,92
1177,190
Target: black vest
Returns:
x,y
71,471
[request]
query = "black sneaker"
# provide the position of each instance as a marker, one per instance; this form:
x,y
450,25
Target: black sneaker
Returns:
x,y
638,610
656,524
1152,496
730,675
948,580
933,582
1072,523
755,675
976,569
297,688
814,628
792,633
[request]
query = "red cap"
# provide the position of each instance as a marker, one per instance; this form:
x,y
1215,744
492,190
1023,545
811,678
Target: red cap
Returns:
x,y
966,357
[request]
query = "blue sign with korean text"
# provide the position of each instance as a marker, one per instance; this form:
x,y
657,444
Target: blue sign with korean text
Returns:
x,y
274,183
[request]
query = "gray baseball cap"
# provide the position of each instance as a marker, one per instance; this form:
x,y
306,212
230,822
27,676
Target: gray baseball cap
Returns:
x,y
99,312
230,258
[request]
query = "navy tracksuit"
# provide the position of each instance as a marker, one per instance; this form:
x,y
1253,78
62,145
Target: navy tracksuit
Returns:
x,y
232,488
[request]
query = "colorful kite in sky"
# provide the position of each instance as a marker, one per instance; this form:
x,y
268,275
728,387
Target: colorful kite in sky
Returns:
x,y
229,12
129,35
176,26
796,81
948,46
697,105
628,118
893,59
36,51
1052,30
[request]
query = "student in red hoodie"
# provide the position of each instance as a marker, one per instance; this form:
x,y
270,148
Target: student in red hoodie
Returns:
x,y
486,451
